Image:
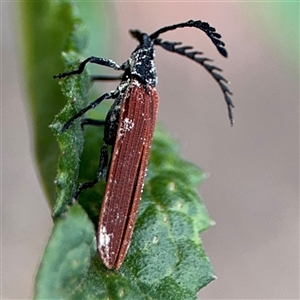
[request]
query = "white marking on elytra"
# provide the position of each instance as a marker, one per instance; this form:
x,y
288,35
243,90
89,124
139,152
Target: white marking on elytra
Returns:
x,y
127,125
104,241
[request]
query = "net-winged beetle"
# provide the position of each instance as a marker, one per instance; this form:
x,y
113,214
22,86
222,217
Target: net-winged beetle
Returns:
x,y
129,128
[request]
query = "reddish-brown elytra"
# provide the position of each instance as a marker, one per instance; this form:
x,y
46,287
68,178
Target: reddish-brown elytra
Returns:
x,y
127,173
129,128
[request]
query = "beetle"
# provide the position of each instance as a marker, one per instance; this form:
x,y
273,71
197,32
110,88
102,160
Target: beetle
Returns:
x,y
129,128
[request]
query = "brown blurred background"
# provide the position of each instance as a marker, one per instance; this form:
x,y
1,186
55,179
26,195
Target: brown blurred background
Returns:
x,y
253,189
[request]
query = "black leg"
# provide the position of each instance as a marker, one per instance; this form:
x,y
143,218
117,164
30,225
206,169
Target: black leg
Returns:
x,y
100,173
94,60
105,78
92,122
84,110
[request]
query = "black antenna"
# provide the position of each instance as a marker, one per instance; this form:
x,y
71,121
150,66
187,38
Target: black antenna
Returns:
x,y
193,55
205,27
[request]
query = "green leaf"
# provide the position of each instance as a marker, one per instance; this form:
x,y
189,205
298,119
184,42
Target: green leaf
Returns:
x,y
166,259
71,141
46,27
67,258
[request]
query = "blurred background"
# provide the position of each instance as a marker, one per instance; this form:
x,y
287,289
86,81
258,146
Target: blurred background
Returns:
x,y
253,189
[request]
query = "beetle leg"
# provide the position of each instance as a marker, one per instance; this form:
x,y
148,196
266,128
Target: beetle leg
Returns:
x,y
94,60
84,110
100,173
92,122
